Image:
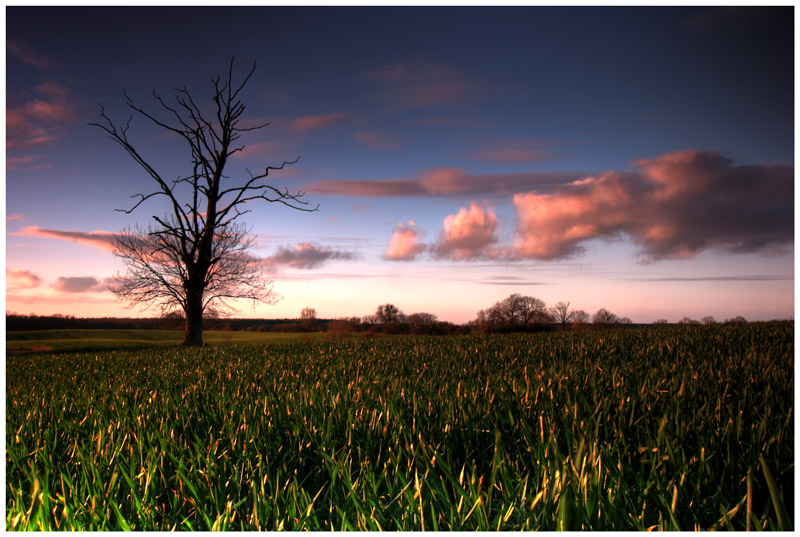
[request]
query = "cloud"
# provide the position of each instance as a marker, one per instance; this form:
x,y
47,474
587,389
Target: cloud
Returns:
x,y
26,163
305,256
510,280
404,244
443,182
23,52
307,123
40,116
742,278
80,284
424,84
275,95
21,279
515,151
468,234
378,140
103,240
672,206
262,151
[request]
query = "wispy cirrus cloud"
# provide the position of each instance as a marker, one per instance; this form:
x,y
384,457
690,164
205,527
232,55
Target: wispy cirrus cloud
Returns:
x,y
29,162
444,182
673,206
305,256
16,218
702,279
314,122
38,117
103,240
21,279
514,151
25,53
381,141
421,84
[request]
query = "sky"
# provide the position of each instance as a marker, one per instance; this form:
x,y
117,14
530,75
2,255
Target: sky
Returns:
x,y
637,159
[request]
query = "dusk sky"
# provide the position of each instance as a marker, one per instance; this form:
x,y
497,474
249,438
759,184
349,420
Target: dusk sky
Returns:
x,y
634,159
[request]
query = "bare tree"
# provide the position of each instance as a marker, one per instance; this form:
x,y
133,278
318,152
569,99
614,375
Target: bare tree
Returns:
x,y
420,319
516,312
308,314
389,314
736,320
562,314
580,317
195,258
603,317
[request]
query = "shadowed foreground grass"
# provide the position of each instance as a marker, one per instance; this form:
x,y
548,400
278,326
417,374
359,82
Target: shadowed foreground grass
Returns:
x,y
664,428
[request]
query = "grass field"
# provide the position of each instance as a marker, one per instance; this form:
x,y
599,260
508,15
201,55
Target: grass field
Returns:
x,y
89,340
673,427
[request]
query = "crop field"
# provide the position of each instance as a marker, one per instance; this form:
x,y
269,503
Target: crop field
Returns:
x,y
668,427
91,339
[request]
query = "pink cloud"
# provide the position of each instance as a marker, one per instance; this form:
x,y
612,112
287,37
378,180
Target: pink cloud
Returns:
x,y
21,279
307,123
275,95
423,84
80,284
673,206
468,234
263,151
515,151
305,256
29,162
102,240
23,52
39,118
552,226
404,244
442,182
378,140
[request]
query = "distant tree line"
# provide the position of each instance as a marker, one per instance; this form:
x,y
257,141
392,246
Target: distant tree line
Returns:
x,y
516,313
519,313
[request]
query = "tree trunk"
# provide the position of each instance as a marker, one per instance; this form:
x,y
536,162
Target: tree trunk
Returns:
x,y
193,335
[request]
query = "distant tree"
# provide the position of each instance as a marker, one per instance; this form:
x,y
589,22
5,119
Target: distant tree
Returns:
x,y
736,320
708,320
308,320
688,320
516,312
580,317
389,314
562,314
603,317
491,320
661,321
196,257
369,319
421,319
624,320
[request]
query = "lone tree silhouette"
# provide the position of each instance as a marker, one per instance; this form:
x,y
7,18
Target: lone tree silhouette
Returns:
x,y
196,257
